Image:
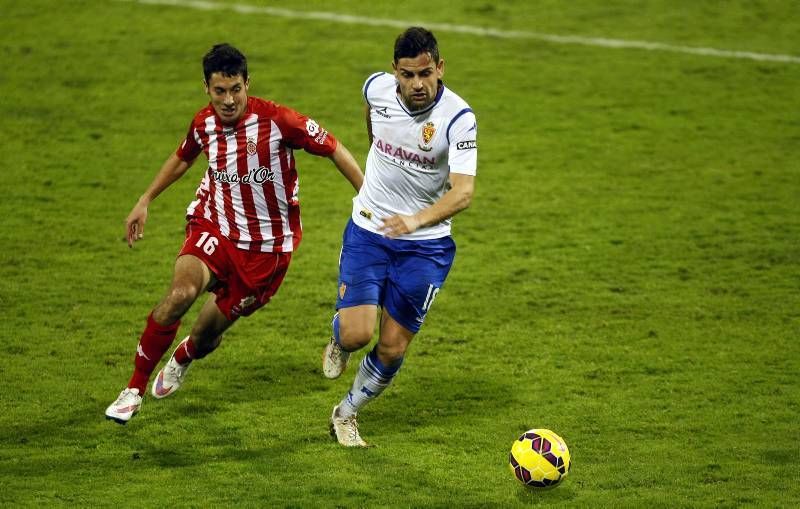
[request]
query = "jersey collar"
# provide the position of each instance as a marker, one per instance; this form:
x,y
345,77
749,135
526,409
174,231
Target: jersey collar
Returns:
x,y
248,109
439,93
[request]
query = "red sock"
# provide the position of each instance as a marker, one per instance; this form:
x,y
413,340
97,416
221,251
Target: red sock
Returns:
x,y
186,352
155,341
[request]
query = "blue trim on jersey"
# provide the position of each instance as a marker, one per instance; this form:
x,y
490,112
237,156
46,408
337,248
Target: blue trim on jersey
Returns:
x,y
369,82
426,110
465,110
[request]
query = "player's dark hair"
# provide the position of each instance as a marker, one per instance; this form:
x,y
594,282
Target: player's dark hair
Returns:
x,y
225,59
415,41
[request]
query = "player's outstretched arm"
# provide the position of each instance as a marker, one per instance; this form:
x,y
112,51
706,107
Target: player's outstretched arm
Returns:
x,y
347,165
172,169
451,203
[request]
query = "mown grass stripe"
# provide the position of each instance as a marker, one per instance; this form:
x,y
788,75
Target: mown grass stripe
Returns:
x,y
602,42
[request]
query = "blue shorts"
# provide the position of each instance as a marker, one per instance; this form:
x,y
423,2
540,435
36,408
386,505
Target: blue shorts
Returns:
x,y
402,276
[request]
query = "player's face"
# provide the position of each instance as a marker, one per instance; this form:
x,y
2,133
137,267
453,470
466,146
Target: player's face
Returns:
x,y
228,96
418,79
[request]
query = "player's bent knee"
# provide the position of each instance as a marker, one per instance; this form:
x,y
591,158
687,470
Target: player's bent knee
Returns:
x,y
354,332
182,296
391,353
353,339
175,304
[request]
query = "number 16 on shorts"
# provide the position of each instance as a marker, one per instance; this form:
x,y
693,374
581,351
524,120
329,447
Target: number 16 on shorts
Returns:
x,y
432,293
208,243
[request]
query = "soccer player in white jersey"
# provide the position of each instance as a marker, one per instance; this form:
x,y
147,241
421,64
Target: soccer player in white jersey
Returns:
x,y
241,228
397,248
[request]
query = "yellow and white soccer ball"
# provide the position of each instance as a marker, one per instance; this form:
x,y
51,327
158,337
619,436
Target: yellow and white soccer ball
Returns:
x,y
539,459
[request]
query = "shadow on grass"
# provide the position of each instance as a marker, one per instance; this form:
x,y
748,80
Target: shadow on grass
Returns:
x,y
538,496
221,408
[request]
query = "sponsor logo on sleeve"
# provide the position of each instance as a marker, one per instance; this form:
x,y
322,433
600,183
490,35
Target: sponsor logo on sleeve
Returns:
x,y
466,145
312,127
315,131
321,137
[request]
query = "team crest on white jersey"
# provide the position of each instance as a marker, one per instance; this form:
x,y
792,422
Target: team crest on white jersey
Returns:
x,y
428,130
251,146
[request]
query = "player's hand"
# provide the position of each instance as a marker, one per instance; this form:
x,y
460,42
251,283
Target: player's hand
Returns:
x,y
134,224
399,225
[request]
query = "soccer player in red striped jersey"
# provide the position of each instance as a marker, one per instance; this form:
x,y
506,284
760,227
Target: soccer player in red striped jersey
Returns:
x,y
242,227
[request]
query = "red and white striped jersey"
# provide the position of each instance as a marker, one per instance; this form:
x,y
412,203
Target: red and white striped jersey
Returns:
x,y
250,190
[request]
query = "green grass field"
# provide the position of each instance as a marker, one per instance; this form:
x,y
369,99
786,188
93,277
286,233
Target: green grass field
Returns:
x,y
628,274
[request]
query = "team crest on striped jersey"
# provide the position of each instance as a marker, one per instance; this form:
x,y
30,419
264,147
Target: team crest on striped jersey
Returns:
x,y
428,130
251,146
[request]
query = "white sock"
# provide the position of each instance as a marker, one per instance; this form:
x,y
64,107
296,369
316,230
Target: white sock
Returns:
x,y
372,378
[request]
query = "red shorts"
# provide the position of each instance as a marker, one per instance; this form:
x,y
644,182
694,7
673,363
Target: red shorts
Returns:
x,y
245,280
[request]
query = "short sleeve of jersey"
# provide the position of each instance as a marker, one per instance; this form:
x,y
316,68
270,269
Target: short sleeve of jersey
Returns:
x,y
300,131
463,138
190,147
369,87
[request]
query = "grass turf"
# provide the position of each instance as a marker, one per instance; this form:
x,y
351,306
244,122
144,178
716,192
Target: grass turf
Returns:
x,y
627,275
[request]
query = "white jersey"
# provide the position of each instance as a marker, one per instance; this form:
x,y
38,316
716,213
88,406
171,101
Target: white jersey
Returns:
x,y
412,155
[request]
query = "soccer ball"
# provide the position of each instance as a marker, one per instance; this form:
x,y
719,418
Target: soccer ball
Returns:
x,y
539,459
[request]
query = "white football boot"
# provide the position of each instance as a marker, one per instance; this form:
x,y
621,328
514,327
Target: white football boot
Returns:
x,y
171,376
334,359
126,406
345,430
